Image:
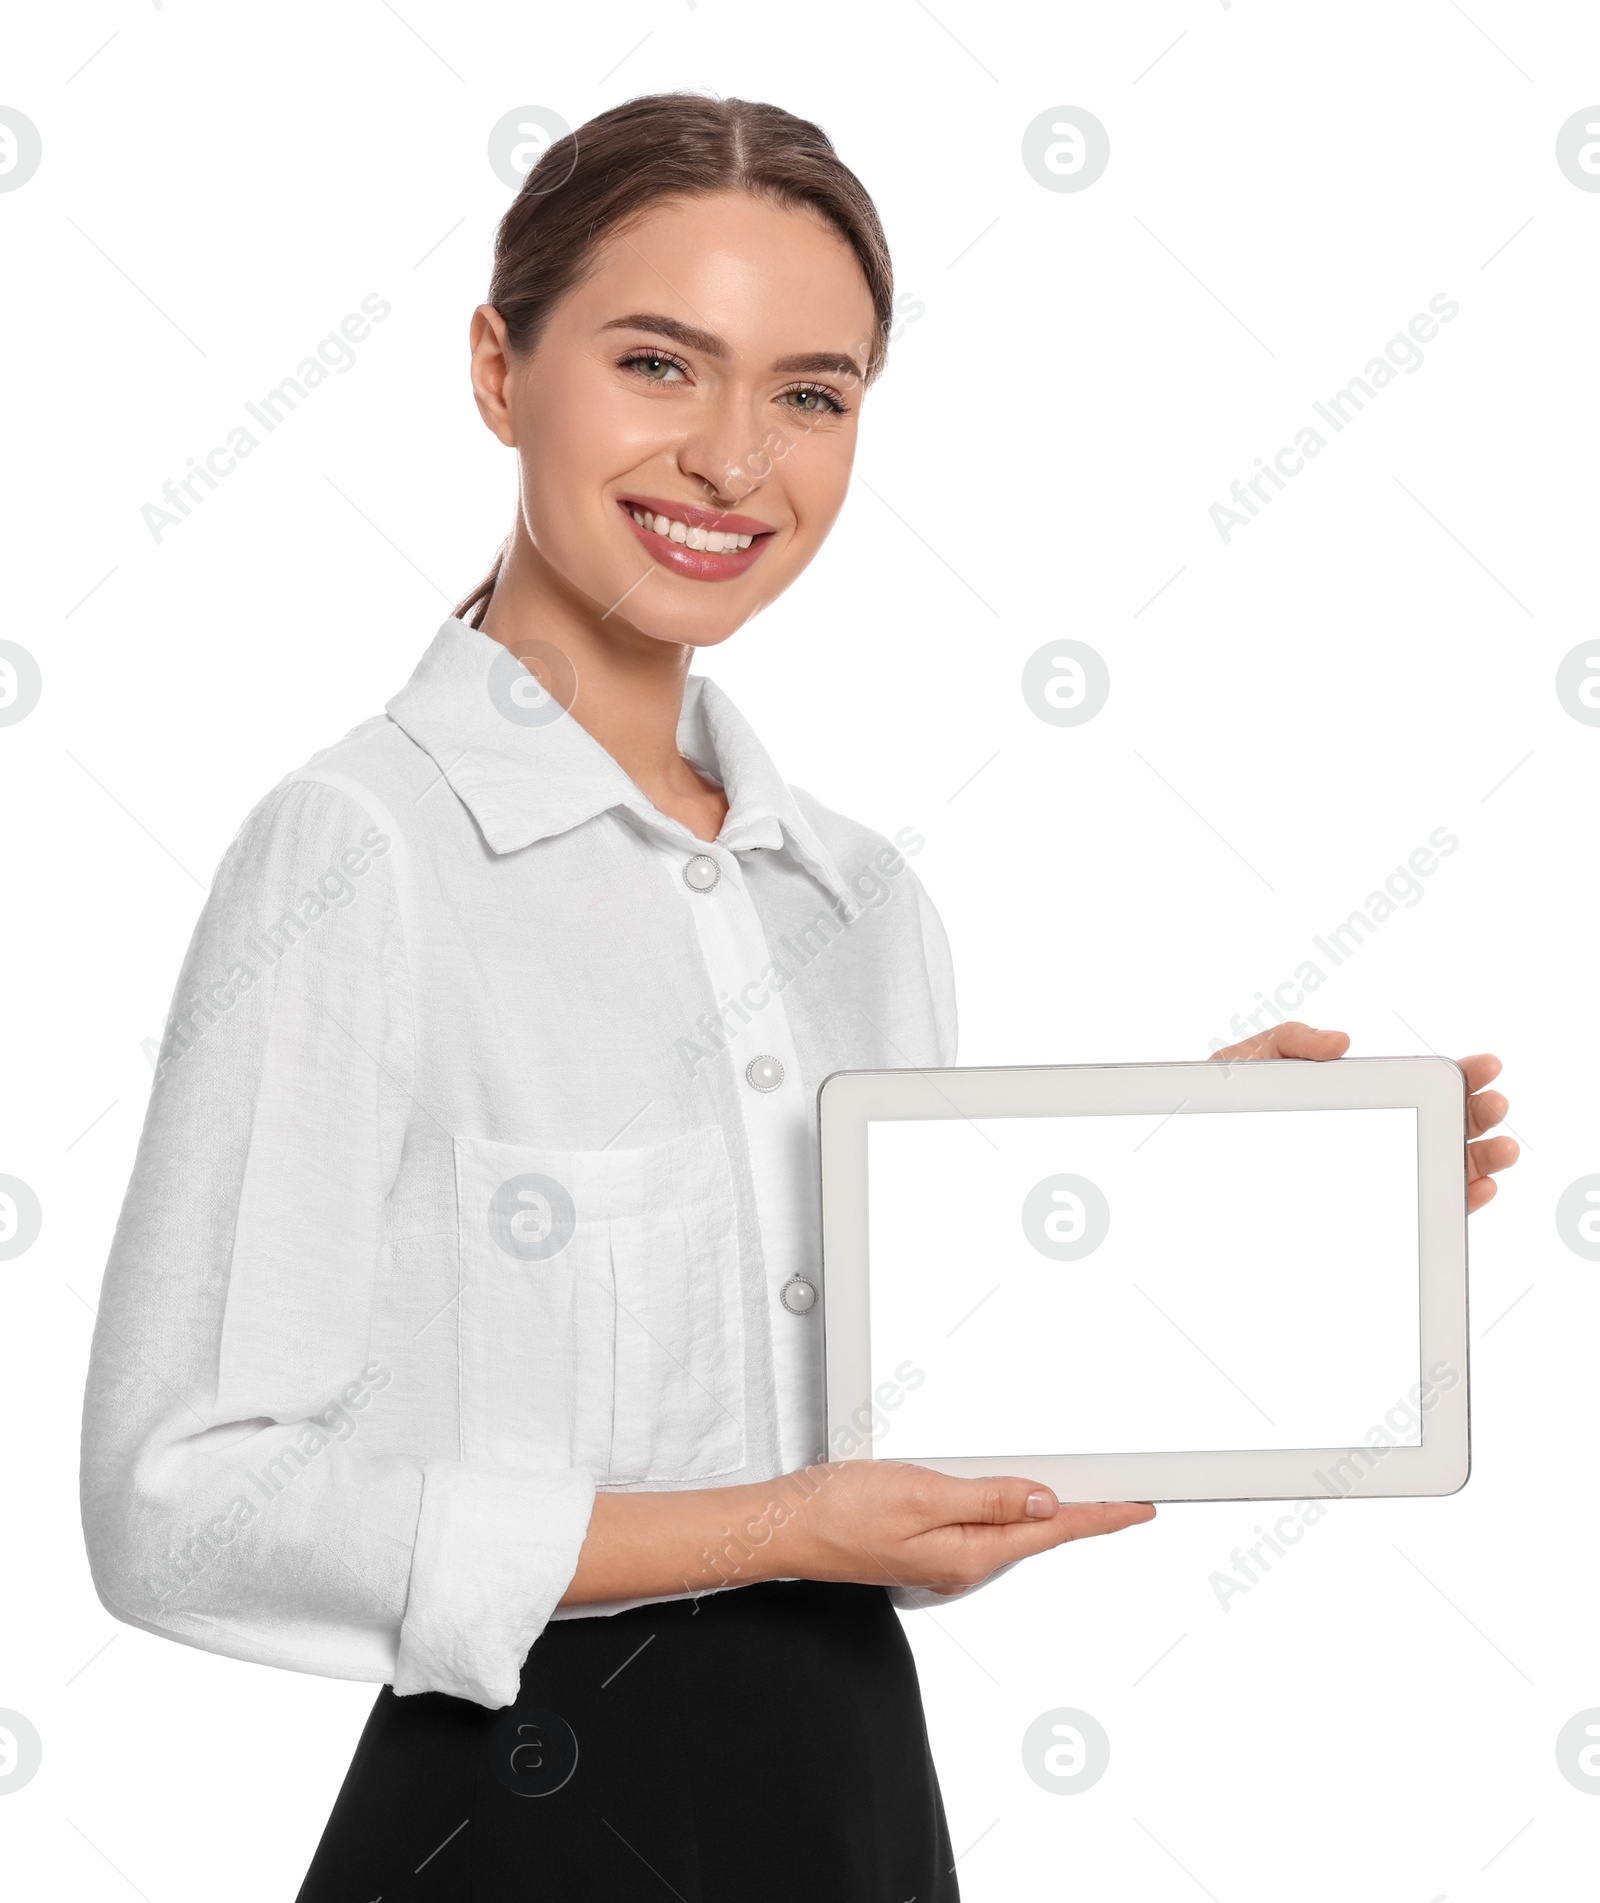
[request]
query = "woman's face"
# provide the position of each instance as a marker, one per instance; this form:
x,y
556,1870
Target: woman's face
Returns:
x,y
686,422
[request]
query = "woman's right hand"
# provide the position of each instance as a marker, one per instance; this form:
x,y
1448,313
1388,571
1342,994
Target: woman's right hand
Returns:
x,y
890,1523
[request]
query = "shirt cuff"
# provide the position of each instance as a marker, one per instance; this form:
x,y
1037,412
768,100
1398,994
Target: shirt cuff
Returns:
x,y
495,1550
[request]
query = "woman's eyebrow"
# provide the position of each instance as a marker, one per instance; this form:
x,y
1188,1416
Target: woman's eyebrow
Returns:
x,y
837,363
821,360
704,341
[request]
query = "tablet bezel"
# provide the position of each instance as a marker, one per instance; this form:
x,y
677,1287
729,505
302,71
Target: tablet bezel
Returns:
x,y
1434,1086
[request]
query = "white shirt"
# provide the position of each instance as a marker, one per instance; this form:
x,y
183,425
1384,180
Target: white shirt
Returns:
x,y
461,1192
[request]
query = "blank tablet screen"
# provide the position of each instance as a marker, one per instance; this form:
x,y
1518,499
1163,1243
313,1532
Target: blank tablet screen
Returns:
x,y
1199,1281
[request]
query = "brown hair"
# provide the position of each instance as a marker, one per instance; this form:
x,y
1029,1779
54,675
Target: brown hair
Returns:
x,y
667,145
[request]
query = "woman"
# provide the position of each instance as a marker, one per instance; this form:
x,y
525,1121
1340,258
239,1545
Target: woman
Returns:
x,y
466,1287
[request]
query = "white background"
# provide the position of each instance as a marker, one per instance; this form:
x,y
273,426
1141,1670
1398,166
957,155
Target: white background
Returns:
x,y
1291,714
1246,1293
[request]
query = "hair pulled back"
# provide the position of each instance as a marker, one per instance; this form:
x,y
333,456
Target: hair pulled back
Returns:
x,y
588,184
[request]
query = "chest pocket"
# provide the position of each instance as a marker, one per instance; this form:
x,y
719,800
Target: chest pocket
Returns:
x,y
601,1322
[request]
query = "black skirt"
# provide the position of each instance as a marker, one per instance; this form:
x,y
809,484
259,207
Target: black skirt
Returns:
x,y
765,1741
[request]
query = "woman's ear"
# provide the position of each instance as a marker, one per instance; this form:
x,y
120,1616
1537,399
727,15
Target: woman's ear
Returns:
x,y
491,372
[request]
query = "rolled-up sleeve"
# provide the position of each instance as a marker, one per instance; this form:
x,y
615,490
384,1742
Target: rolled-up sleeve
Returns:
x,y
249,1480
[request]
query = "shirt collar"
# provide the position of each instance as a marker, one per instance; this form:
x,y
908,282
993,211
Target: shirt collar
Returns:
x,y
526,779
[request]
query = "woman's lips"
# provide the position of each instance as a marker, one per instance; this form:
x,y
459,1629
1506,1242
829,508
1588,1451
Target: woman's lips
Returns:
x,y
692,516
698,564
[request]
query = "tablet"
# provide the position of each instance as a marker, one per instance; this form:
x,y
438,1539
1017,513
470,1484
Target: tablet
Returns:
x,y
1195,1281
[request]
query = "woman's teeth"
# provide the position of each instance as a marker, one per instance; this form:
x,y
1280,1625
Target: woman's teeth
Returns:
x,y
713,541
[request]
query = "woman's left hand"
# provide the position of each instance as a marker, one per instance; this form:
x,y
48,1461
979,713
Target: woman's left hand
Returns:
x,y
1485,1108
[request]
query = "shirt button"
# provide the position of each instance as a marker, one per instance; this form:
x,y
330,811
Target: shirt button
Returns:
x,y
763,1073
798,1294
701,872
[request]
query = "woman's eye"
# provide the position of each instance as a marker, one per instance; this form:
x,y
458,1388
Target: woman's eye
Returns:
x,y
812,400
657,368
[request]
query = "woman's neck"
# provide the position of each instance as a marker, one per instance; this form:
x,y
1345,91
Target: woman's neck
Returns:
x,y
624,688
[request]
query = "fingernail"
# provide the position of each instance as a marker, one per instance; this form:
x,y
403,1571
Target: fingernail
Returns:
x,y
1041,1506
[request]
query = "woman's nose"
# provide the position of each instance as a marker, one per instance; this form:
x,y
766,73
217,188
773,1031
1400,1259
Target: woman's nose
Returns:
x,y
727,454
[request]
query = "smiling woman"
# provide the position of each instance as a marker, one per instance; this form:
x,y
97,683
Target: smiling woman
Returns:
x,y
666,339
636,1633
591,1545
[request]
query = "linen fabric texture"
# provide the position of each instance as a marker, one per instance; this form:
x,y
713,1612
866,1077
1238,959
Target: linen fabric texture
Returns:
x,y
453,1203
